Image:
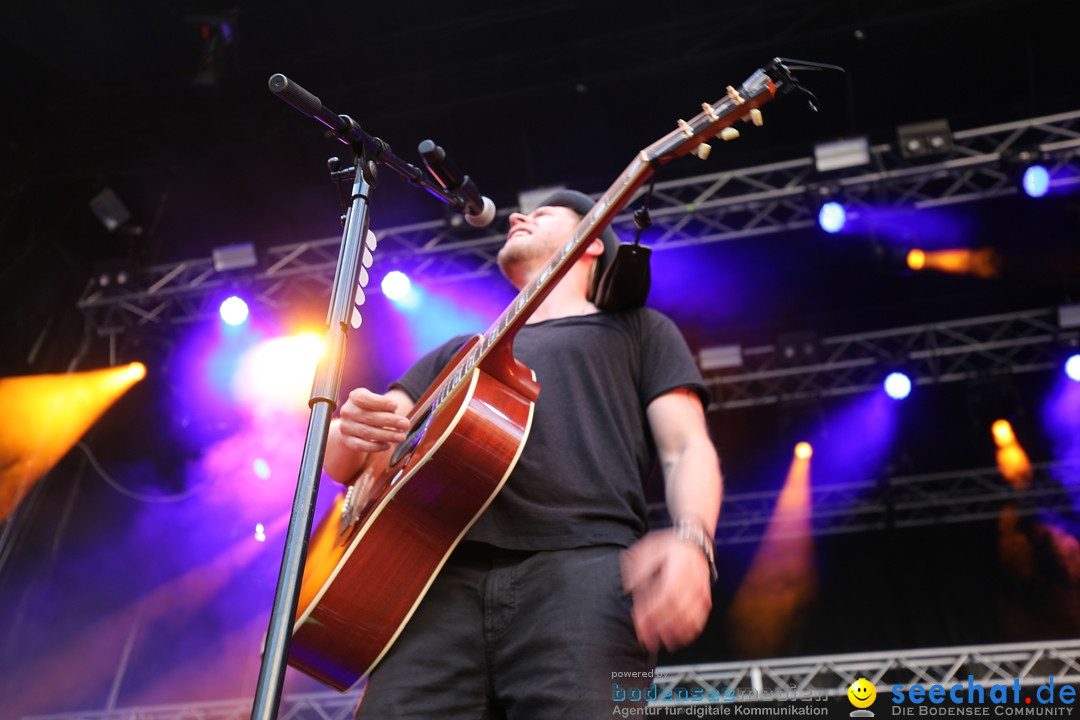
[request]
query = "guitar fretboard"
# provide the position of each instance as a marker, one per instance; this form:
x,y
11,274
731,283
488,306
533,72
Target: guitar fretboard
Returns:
x,y
737,104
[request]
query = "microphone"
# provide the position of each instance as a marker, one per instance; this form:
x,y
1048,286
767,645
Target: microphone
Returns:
x,y
478,209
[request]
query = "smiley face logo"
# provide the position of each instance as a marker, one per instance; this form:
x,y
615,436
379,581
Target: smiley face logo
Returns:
x,y
862,693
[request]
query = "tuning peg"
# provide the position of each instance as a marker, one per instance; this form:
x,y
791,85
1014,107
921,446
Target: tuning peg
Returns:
x,y
710,112
756,118
703,150
734,95
686,129
729,133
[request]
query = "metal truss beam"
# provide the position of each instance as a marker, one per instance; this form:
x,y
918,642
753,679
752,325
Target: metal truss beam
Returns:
x,y
1011,343
823,676
899,502
830,675
742,203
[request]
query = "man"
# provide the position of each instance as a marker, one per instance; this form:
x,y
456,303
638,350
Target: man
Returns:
x,y
557,600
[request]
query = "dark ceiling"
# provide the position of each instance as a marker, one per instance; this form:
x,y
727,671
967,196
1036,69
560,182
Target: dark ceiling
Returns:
x,y
166,102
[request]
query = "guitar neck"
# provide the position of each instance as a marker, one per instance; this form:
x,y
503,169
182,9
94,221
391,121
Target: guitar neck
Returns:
x,y
690,136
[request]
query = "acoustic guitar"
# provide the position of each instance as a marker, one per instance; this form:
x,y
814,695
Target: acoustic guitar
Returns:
x,y
373,557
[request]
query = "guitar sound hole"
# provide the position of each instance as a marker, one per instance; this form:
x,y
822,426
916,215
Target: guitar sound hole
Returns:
x,y
416,434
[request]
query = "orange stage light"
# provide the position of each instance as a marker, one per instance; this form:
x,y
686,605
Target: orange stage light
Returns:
x,y
1012,461
983,262
781,584
45,415
1003,433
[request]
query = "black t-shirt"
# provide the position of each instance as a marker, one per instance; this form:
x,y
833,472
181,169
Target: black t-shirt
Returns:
x,y
581,476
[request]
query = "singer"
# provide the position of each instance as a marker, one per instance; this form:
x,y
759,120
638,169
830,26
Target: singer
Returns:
x,y
559,587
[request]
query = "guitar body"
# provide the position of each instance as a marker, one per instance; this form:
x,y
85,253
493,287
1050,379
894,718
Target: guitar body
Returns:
x,y
375,554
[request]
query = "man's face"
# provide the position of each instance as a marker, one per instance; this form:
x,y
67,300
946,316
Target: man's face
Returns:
x,y
533,238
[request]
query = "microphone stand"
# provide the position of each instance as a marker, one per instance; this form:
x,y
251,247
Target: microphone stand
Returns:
x,y
323,401
327,383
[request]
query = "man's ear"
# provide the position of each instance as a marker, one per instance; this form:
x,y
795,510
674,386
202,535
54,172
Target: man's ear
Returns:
x,y
596,248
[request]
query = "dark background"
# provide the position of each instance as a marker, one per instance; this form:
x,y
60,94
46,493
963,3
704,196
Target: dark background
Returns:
x,y
524,94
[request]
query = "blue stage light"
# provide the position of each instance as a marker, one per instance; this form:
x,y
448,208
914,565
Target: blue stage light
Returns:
x,y
234,311
897,385
1036,181
832,217
1072,368
396,285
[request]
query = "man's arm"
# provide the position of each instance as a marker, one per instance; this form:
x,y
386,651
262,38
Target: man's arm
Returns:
x,y
667,571
368,423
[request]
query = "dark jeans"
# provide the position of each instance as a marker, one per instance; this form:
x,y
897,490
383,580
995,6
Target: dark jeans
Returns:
x,y
513,635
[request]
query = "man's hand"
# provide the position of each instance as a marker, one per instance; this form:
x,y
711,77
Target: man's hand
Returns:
x,y
368,423
668,578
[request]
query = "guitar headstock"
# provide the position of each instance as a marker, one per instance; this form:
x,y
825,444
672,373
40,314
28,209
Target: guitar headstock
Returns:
x,y
718,118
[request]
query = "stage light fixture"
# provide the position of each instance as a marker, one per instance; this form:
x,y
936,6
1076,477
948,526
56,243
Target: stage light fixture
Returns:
x,y
720,357
396,285
924,139
234,257
982,262
110,209
1012,460
1072,368
1035,181
233,310
1069,316
804,451
1028,169
1002,431
842,154
796,349
832,217
897,385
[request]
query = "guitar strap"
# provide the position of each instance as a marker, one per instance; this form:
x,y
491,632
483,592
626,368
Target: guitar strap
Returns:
x,y
625,282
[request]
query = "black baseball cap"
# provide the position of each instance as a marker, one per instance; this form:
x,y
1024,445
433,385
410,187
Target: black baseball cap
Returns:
x,y
581,203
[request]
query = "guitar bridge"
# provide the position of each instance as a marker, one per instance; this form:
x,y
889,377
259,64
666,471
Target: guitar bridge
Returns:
x,y
356,501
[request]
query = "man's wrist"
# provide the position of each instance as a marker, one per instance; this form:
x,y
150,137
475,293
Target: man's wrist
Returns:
x,y
692,530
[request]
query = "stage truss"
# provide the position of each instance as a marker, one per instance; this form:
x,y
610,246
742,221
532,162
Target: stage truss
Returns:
x,y
895,503
801,679
728,205
981,347
830,675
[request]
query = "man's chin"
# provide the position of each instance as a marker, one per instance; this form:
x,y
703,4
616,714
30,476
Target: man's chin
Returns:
x,y
506,260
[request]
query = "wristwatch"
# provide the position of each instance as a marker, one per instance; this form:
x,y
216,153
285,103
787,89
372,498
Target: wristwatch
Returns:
x,y
694,531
